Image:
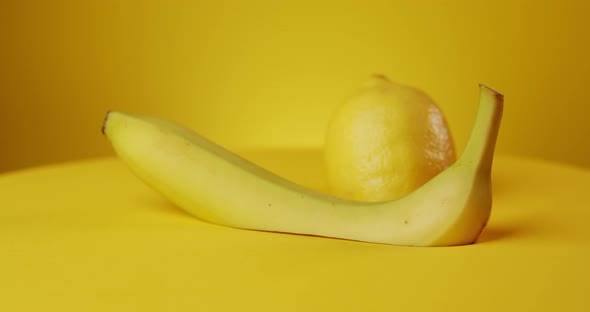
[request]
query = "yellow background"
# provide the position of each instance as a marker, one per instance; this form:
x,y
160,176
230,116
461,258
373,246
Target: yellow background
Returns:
x,y
269,73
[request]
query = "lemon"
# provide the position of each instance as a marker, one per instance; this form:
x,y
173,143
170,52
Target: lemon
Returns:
x,y
385,141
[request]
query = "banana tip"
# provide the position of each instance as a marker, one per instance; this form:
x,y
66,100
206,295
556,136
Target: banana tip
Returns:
x,y
496,93
104,123
380,76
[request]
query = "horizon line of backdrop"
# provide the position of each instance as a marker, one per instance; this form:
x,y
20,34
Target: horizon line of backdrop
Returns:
x,y
270,73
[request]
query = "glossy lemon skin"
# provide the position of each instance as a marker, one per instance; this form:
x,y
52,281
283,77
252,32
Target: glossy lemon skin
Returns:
x,y
385,141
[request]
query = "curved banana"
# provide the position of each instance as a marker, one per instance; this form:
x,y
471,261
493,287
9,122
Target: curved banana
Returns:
x,y
218,186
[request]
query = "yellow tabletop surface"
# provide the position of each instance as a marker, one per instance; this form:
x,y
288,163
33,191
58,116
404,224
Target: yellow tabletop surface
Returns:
x,y
90,236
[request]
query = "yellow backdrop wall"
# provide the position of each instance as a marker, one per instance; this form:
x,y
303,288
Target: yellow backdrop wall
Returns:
x,y
269,73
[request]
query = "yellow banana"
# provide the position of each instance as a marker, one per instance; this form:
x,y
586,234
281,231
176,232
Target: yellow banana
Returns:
x,y
220,187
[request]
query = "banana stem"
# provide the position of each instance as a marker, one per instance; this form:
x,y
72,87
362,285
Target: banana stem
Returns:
x,y
479,151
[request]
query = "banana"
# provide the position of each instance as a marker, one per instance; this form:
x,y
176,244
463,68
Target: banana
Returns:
x,y
218,186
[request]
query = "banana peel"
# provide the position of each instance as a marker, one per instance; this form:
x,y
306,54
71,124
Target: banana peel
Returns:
x,y
220,187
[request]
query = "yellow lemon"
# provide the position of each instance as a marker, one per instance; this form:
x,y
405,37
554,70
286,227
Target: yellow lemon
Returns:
x,y
385,141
